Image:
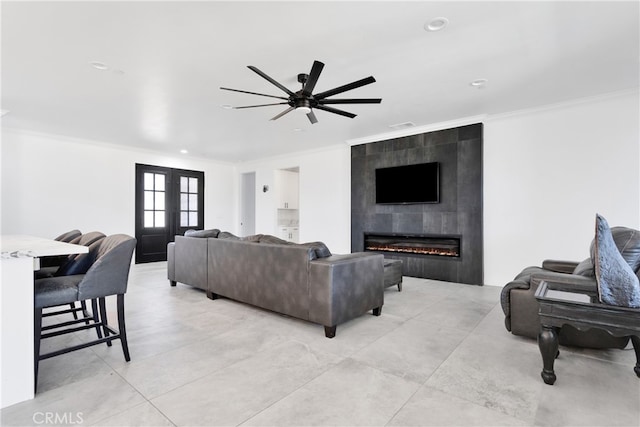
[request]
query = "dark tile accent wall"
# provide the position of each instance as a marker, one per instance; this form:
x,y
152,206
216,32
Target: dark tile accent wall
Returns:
x,y
459,152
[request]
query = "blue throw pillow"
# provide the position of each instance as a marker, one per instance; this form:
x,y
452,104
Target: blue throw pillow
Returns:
x,y
617,283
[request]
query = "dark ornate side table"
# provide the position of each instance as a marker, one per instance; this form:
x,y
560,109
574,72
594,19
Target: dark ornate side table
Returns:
x,y
562,305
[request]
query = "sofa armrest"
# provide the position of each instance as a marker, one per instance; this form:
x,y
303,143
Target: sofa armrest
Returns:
x,y
191,261
559,266
342,287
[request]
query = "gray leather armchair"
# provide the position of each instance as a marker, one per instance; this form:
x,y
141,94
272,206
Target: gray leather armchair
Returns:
x,y
520,306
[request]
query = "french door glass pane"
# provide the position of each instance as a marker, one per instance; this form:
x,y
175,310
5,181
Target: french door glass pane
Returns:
x,y
159,218
148,219
159,182
188,201
159,201
148,200
148,181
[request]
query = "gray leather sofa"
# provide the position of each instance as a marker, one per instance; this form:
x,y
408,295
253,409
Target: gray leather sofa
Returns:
x,y
300,280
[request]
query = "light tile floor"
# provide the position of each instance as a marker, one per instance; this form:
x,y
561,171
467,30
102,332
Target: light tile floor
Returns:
x,y
438,355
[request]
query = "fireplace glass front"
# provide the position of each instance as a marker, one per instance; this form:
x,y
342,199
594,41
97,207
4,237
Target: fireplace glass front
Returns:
x,y
428,245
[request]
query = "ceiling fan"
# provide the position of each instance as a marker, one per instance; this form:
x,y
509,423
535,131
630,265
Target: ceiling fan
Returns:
x,y
304,100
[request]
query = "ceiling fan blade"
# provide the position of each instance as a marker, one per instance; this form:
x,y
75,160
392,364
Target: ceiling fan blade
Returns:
x,y
253,93
270,80
335,111
283,113
312,117
316,69
260,105
351,101
353,85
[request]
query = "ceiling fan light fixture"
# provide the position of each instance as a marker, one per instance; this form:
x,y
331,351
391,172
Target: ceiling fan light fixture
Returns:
x,y
303,110
436,24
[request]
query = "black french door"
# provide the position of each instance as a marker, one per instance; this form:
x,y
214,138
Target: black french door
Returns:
x,y
168,202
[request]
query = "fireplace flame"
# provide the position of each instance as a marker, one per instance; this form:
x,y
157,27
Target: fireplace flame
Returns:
x,y
450,252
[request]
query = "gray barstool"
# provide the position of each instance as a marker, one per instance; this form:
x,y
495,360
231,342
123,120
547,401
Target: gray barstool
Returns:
x,y
108,275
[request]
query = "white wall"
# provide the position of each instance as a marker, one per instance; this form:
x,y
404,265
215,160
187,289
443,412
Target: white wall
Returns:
x,y
325,195
547,173
52,184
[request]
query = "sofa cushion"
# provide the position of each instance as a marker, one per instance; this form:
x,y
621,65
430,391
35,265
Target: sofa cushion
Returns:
x,y
585,268
253,238
617,282
321,250
268,238
202,233
227,235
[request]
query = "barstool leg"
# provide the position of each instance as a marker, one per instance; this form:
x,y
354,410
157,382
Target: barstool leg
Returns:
x,y
96,317
122,328
103,318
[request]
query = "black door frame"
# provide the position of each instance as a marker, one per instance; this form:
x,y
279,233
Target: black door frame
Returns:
x,y
152,241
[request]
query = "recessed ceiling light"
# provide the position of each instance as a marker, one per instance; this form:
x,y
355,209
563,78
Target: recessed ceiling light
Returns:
x,y
99,65
184,151
402,125
298,130
226,106
479,83
436,24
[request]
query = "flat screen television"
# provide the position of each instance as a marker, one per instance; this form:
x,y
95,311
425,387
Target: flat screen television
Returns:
x,y
408,184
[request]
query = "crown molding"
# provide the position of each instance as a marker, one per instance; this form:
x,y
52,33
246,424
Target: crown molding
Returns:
x,y
418,130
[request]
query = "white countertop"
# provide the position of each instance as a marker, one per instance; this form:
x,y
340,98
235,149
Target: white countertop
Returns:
x,y
15,245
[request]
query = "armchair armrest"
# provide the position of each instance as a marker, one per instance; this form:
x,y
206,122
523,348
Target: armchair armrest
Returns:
x,y
559,266
583,285
569,283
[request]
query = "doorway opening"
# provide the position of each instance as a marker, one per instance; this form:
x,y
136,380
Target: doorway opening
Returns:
x,y
248,204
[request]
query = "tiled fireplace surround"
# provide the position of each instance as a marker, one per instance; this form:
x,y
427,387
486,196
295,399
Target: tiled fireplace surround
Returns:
x,y
458,215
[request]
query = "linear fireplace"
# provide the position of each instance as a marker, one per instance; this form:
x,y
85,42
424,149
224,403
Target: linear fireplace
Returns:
x,y
446,246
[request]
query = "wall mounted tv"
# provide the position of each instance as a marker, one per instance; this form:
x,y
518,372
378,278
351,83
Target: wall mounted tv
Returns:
x,y
408,184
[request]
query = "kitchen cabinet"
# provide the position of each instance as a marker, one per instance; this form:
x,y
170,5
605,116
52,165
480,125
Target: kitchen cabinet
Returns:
x,y
290,234
287,187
